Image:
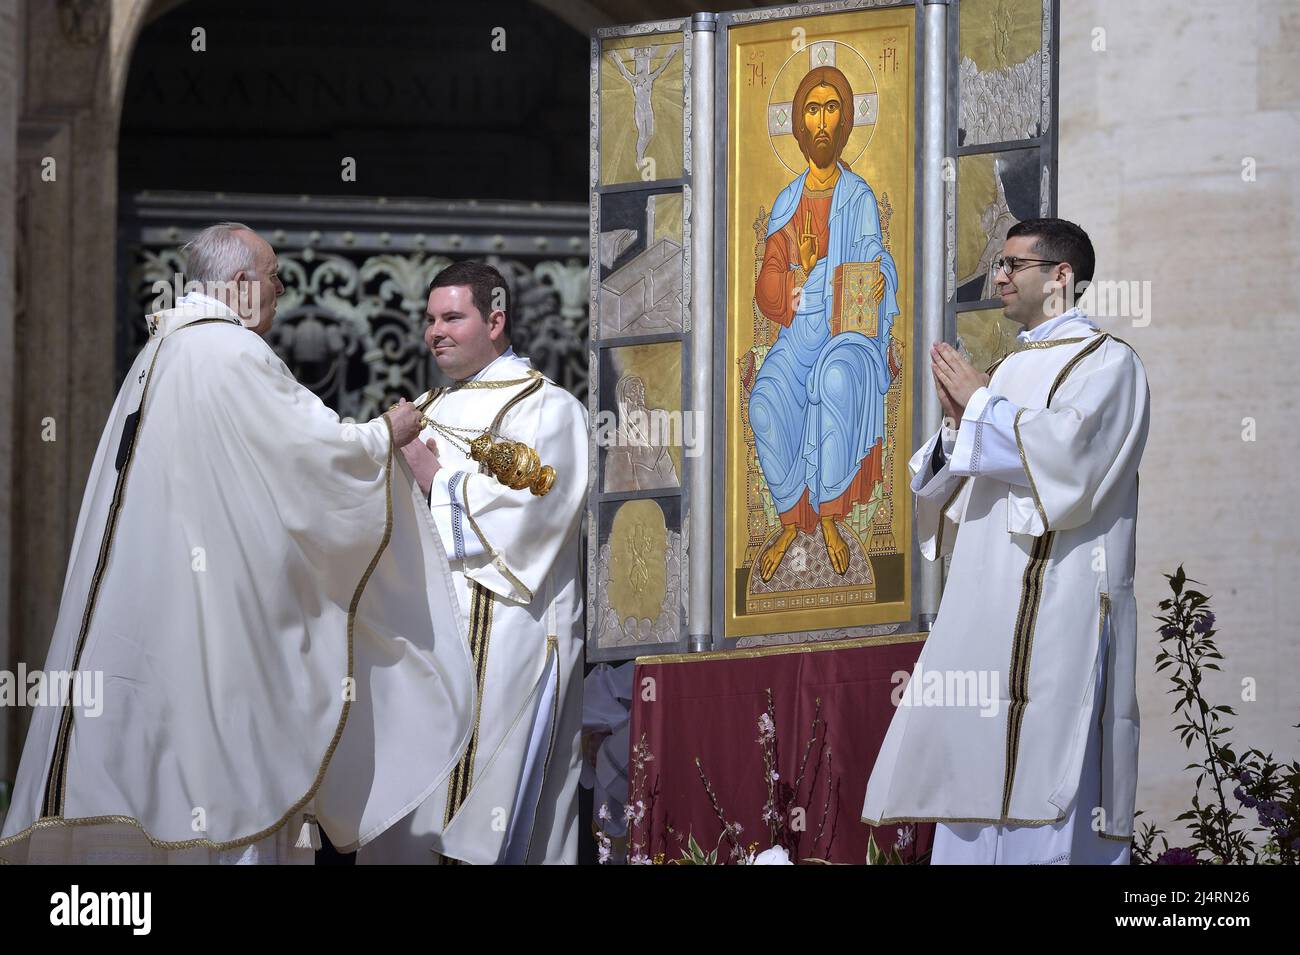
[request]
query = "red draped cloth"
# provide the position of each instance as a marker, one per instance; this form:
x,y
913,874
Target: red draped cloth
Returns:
x,y
708,706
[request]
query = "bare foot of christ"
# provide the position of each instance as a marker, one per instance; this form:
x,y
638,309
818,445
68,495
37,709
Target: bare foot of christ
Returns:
x,y
836,549
775,552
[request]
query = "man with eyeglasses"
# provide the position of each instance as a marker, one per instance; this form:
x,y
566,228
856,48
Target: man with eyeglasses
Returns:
x,y
1031,486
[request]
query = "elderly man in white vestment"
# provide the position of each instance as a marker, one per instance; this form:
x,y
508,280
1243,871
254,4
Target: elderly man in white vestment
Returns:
x,y
1031,485
516,560
257,583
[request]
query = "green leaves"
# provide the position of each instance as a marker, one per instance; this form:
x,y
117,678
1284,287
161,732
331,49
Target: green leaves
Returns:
x,y
1187,649
877,857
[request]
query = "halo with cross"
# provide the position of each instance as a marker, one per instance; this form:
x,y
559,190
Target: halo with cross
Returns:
x,y
780,111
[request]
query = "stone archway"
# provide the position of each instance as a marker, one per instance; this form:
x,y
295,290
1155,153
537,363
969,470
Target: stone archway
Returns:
x,y
70,58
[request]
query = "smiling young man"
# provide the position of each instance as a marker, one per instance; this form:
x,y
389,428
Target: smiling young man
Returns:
x,y
1031,485
515,563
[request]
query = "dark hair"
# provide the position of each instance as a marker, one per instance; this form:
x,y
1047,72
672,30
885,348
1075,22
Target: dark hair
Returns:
x,y
823,76
1062,241
482,280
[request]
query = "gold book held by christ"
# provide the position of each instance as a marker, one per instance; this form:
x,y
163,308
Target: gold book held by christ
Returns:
x,y
854,308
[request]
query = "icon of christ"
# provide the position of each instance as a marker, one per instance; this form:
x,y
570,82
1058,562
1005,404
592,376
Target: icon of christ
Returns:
x,y
817,408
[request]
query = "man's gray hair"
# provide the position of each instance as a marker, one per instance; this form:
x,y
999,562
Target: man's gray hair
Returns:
x,y
216,253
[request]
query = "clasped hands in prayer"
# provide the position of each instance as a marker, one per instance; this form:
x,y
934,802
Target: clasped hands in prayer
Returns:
x,y
422,456
955,379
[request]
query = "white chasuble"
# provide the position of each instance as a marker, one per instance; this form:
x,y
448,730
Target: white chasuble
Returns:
x,y
265,598
1041,575
516,562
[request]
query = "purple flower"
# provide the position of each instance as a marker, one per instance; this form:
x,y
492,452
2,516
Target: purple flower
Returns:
x,y
1169,630
1204,622
1177,856
1270,812
1248,801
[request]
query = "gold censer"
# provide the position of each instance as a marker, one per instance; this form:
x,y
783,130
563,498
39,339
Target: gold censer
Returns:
x,y
513,463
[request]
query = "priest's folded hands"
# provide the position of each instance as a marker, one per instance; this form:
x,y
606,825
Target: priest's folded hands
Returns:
x,y
956,380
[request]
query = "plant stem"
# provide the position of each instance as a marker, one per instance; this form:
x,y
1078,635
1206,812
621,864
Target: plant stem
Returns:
x,y
1225,849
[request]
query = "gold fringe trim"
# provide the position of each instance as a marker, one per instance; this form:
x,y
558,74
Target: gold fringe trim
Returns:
x,y
747,653
1049,343
1004,821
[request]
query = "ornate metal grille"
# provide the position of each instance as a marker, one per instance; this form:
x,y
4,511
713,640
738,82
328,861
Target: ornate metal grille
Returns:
x,y
355,273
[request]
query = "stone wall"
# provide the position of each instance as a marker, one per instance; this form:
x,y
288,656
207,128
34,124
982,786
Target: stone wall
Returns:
x,y
61,210
1154,132
10,69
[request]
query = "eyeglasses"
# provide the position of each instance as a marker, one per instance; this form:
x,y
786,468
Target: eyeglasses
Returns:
x,y
1013,264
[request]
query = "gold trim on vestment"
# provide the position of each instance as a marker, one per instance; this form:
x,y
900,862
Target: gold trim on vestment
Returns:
x,y
497,562
538,381
533,373
1048,343
1024,463
1027,345
994,367
434,394
1103,611
532,389
1069,365
430,396
751,653
894,820
1005,821
1115,338
1030,596
1060,378
47,822
56,776
1031,592
480,633
464,498
1026,617
938,544
56,780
